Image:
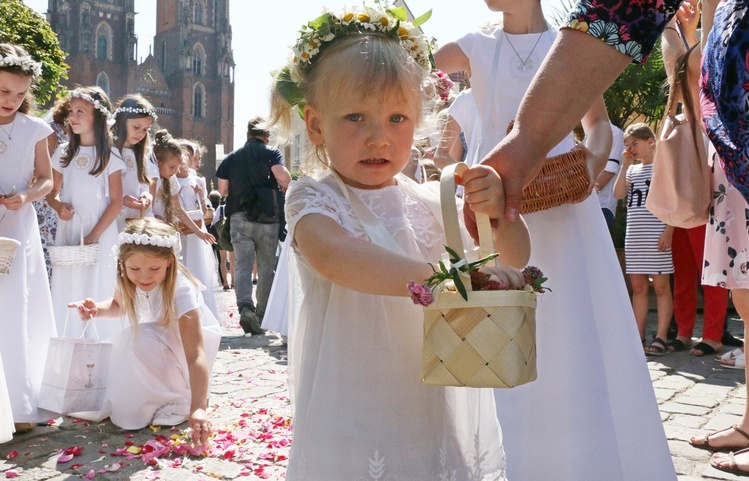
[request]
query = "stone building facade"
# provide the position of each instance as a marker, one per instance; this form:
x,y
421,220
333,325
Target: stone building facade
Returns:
x,y
189,77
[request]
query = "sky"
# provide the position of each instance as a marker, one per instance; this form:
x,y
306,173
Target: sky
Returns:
x,y
263,31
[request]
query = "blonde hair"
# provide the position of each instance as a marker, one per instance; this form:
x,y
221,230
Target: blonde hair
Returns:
x,y
371,64
152,227
164,148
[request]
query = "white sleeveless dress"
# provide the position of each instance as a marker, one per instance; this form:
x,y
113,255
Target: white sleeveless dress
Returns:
x,y
155,387
27,319
592,413
360,409
196,255
89,196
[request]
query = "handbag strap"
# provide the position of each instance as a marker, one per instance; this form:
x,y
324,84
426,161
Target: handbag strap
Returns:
x,y
85,326
450,216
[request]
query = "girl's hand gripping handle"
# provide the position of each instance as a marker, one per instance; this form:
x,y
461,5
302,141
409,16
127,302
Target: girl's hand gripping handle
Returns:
x,y
86,308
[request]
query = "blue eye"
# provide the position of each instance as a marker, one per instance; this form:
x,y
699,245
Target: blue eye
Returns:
x,y
398,118
354,117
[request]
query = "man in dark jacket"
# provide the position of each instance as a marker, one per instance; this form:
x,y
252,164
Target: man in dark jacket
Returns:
x,y
254,178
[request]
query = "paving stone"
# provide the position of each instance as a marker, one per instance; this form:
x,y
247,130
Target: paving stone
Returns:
x,y
687,421
679,408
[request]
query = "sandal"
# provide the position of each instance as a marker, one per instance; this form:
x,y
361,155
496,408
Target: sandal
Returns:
x,y
679,345
707,349
705,444
732,467
730,355
739,362
658,346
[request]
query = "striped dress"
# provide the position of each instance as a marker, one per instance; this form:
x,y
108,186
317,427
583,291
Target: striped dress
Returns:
x,y
643,228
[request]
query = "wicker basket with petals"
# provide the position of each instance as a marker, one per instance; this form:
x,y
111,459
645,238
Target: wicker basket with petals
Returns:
x,y
487,340
8,249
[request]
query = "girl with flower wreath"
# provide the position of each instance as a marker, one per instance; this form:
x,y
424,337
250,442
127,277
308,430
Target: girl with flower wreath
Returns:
x,y
87,195
604,418
361,79
133,117
172,339
27,323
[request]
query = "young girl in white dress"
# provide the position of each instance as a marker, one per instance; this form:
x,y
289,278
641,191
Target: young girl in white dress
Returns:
x,y
197,256
592,413
133,117
90,176
356,341
26,321
165,191
172,339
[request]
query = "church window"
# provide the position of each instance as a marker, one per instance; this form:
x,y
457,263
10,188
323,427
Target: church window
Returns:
x,y
102,81
198,100
198,59
103,41
198,12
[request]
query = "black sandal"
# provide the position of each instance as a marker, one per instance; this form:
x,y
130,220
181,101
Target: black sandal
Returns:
x,y
707,349
660,348
678,345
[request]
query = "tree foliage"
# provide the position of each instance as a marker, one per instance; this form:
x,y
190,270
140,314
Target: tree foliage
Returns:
x,y
638,95
21,25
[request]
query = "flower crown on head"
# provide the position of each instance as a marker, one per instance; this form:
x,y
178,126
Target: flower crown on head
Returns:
x,y
25,63
137,110
98,105
171,241
323,30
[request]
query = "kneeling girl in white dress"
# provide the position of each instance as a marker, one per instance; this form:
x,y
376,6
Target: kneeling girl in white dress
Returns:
x,y
356,343
172,340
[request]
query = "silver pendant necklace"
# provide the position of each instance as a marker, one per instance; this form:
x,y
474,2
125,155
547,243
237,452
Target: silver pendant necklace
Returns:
x,y
12,126
527,64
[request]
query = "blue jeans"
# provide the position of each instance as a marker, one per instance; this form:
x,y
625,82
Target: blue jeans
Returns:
x,y
250,239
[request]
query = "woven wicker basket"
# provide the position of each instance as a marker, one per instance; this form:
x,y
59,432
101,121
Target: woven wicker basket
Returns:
x,y
488,340
563,178
74,256
8,249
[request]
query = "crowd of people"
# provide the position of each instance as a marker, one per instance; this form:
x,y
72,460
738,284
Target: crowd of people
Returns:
x,y
365,221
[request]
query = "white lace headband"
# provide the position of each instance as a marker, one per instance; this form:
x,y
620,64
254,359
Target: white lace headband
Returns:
x,y
26,63
171,241
137,110
98,105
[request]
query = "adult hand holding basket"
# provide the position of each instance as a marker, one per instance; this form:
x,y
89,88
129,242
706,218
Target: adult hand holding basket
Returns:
x,y
485,339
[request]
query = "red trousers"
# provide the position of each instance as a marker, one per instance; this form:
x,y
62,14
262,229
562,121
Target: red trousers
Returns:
x,y
687,249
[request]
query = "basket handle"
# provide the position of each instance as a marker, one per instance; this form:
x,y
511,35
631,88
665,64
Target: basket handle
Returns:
x,y
450,215
80,224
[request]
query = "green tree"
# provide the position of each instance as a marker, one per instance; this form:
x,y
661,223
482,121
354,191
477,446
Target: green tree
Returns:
x,y
21,25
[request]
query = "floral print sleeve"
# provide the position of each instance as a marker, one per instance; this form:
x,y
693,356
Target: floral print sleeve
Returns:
x,y
632,27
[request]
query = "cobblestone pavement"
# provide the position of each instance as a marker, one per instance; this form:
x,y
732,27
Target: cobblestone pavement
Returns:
x,y
250,408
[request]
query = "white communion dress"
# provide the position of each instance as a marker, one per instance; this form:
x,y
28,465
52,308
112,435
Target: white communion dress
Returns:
x,y
6,413
592,413
360,409
132,186
149,381
27,319
197,255
89,196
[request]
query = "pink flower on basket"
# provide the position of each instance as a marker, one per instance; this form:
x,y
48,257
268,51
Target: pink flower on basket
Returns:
x,y
421,295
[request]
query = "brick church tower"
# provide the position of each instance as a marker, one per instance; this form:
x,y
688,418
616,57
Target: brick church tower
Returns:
x,y
189,78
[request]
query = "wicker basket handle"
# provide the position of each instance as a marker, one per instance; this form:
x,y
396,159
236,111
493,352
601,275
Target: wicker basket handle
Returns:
x,y
80,225
450,215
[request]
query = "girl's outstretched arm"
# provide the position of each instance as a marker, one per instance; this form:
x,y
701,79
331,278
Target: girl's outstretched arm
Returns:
x,y
112,210
197,366
88,308
182,215
355,263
